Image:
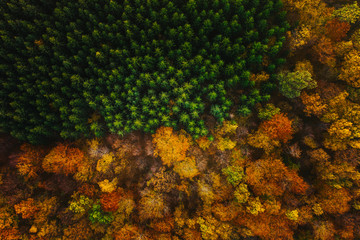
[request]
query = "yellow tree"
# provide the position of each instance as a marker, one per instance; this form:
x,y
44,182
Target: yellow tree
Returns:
x,y
350,71
169,146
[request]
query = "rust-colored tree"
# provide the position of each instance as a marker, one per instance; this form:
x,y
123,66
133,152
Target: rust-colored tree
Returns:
x,y
27,208
279,127
324,51
336,30
110,201
63,159
271,177
334,201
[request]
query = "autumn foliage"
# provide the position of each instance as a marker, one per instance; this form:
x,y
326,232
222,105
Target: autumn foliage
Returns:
x,y
336,30
63,159
278,128
290,170
169,146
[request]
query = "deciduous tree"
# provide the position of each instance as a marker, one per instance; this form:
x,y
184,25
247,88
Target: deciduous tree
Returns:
x,y
291,83
169,146
63,159
336,30
351,69
279,128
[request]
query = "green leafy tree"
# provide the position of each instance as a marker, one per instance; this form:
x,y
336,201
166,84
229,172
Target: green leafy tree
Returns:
x,y
291,83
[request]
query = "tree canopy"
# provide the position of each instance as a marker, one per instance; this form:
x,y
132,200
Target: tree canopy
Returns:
x,y
81,68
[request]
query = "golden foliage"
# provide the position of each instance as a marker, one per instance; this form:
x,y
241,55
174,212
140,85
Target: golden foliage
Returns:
x,y
107,186
313,104
104,164
211,229
301,37
7,218
323,230
206,192
151,206
187,168
262,140
80,231
63,159
203,142
304,66
255,206
267,226
128,232
224,213
165,225
261,77
324,51
162,180
169,146
46,207
350,71
225,144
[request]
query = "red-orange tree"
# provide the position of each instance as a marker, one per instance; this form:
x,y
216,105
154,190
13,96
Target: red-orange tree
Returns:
x,y
336,30
278,128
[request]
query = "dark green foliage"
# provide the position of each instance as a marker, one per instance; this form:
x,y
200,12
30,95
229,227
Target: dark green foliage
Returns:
x,y
137,64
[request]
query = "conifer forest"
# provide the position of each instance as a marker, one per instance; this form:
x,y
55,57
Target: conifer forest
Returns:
x,y
179,120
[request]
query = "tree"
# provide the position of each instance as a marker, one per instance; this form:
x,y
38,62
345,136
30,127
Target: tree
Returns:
x,y
268,111
313,104
29,161
302,36
169,146
62,69
324,51
152,206
27,208
96,215
63,159
350,69
128,232
108,186
334,201
349,13
336,30
267,226
261,140
276,175
291,83
187,168
110,201
323,230
80,230
279,128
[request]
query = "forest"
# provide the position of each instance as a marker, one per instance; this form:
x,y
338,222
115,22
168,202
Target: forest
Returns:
x,y
179,119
